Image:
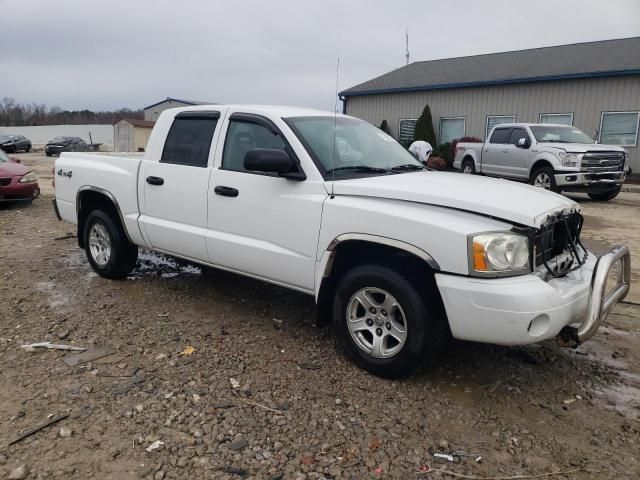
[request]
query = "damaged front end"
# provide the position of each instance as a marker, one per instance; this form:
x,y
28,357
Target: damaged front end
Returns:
x,y
558,250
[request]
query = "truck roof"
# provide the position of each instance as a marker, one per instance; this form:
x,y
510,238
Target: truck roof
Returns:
x,y
278,110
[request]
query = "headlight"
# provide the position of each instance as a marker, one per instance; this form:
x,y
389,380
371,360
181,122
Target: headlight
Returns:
x,y
498,253
570,159
29,178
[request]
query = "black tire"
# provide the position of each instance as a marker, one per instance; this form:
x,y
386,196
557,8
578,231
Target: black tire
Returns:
x,y
550,174
427,329
470,164
123,256
605,196
49,154
28,149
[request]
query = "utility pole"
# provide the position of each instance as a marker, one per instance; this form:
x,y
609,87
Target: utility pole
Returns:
x,y
406,55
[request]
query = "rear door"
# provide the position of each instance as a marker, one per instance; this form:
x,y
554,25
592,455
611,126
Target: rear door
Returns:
x,y
260,224
495,150
174,187
515,162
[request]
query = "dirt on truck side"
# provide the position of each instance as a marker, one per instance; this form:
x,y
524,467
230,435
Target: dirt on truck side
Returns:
x,y
212,375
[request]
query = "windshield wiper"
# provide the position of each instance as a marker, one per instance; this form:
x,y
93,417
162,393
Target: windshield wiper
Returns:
x,y
359,168
408,167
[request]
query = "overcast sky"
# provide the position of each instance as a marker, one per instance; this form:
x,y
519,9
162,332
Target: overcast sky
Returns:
x,y
106,54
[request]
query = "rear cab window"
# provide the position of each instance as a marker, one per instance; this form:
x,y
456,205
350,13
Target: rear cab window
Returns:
x,y
500,135
189,139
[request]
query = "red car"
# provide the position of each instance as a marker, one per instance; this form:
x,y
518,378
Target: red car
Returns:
x,y
17,182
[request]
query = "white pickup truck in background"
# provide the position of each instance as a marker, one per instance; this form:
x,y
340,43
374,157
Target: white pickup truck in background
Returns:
x,y
553,157
398,258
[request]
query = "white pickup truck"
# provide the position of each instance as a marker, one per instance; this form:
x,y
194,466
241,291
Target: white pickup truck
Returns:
x,y
554,157
398,257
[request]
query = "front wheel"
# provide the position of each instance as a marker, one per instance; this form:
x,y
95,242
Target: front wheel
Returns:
x,y
544,178
108,250
605,196
384,323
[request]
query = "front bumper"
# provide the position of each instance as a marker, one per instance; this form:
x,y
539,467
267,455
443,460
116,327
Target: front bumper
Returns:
x,y
526,309
589,179
16,191
55,150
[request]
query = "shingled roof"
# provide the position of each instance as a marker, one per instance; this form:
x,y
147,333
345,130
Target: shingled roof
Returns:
x,y
579,60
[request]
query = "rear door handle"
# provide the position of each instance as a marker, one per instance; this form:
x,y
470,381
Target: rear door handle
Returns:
x,y
226,191
155,181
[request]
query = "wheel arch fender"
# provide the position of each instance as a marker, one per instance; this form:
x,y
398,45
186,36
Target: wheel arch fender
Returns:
x,y
543,160
91,198
350,249
469,154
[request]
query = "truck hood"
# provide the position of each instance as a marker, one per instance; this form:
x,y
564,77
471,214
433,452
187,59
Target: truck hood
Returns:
x,y
582,147
503,199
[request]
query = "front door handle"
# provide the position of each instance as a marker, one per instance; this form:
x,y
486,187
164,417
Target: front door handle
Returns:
x,y
155,181
226,191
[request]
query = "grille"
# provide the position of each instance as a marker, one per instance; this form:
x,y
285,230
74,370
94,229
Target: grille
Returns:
x,y
4,182
557,237
603,161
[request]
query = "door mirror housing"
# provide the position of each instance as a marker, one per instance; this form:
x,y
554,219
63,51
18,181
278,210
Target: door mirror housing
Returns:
x,y
524,143
273,160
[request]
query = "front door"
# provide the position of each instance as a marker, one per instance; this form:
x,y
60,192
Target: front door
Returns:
x,y
174,189
515,162
260,224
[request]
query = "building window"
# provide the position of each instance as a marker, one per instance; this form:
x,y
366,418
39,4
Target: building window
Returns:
x,y
451,128
560,118
406,130
493,120
619,128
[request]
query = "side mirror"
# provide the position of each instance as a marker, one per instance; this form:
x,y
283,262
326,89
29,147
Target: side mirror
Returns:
x,y
273,160
524,143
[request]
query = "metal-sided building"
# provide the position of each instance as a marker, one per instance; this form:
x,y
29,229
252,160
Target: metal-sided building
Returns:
x,y
594,86
152,112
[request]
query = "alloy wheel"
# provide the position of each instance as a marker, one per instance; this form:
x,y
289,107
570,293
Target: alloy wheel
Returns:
x,y
99,244
376,322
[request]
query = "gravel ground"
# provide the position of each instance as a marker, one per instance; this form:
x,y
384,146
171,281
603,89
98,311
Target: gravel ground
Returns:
x,y
267,395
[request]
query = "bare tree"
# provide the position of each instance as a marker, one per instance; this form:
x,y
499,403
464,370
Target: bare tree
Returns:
x,y
13,114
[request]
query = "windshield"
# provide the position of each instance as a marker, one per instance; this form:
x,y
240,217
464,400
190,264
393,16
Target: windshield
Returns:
x,y
3,157
60,139
6,137
560,134
360,148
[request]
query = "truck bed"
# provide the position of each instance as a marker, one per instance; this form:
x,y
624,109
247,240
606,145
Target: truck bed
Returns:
x,y
115,174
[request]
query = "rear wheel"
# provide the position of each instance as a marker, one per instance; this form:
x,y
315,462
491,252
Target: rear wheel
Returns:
x,y
108,250
544,177
468,167
606,195
385,324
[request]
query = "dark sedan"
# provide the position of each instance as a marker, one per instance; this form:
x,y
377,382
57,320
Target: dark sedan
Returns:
x,y
14,143
65,144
